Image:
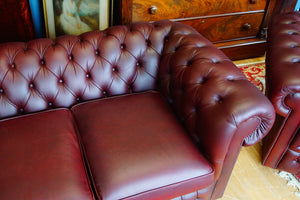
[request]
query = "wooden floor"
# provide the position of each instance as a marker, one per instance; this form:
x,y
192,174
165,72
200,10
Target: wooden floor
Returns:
x,y
250,180
251,60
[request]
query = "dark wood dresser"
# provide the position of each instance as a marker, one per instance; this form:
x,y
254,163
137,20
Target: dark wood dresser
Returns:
x,y
238,27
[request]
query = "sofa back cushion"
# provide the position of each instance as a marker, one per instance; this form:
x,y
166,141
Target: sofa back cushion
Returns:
x,y
45,73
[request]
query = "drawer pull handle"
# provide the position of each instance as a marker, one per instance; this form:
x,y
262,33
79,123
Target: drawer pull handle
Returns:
x,y
253,1
153,10
246,26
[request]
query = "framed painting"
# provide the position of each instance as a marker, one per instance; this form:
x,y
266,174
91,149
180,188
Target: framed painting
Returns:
x,y
73,17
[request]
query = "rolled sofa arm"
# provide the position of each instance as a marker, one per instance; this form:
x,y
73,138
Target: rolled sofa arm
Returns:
x,y
283,61
218,106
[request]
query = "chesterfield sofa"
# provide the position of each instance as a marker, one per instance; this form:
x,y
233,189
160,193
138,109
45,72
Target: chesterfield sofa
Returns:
x,y
144,111
281,148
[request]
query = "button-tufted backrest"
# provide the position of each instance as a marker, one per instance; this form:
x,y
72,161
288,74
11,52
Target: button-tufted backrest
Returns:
x,y
45,73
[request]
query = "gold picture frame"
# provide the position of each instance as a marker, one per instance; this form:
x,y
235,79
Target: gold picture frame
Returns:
x,y
73,17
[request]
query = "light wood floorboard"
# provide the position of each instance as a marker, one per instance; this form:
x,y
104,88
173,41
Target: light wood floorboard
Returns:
x,y
250,180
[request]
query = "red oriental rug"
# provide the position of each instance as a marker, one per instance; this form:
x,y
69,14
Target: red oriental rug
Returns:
x,y
255,73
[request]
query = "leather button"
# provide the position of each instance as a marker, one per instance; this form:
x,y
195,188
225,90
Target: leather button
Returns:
x,y
197,110
219,99
202,80
21,110
130,88
50,104
42,62
296,60
31,85
87,75
114,69
104,92
1,90
60,81
292,33
123,46
215,61
97,52
148,42
189,63
70,57
230,78
13,65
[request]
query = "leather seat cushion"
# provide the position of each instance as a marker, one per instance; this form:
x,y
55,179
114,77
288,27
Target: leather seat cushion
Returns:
x,y
40,158
136,149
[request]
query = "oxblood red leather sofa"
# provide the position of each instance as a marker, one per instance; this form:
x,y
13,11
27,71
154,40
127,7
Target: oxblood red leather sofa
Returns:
x,y
146,111
281,148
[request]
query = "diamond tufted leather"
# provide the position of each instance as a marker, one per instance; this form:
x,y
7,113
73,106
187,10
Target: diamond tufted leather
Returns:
x,y
217,105
282,146
44,74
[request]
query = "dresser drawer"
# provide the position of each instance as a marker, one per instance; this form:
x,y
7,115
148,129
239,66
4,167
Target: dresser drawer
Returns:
x,y
228,27
153,10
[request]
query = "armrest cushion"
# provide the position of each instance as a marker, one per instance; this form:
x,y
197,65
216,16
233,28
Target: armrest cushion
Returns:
x,y
212,96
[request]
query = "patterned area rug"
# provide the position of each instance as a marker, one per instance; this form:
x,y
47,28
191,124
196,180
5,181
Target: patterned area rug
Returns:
x,y
255,73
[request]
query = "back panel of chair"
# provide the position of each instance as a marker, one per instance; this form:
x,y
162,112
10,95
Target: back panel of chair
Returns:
x,y
45,73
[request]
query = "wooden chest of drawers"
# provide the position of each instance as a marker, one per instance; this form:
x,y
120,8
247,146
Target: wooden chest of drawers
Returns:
x,y
238,27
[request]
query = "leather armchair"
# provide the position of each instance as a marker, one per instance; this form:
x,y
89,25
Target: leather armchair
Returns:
x,y
214,104
281,148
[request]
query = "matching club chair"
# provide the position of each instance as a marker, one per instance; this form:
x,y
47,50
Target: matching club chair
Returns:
x,y
281,147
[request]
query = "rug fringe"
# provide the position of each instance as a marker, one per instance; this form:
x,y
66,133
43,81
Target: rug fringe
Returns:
x,y
291,181
252,63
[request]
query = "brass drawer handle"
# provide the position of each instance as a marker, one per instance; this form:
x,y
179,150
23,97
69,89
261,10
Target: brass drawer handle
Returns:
x,y
153,10
253,1
246,27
